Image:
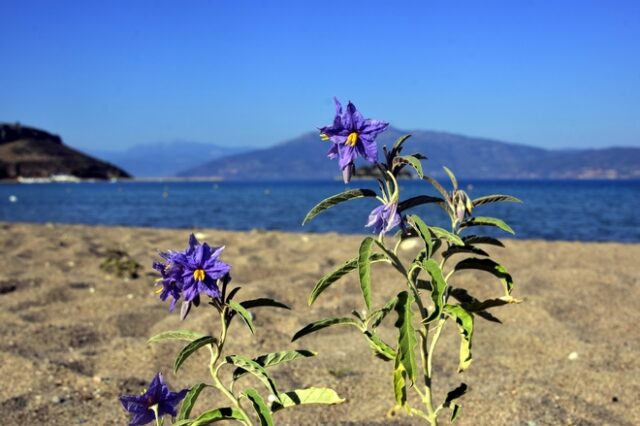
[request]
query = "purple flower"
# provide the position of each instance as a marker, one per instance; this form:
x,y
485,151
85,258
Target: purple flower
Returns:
x,y
158,400
169,274
384,218
352,135
189,273
200,269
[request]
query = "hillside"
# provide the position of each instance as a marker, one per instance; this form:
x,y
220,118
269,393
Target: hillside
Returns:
x,y
32,153
469,157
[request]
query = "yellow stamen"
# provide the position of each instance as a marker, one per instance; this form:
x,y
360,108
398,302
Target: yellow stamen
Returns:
x,y
199,275
352,139
324,137
159,290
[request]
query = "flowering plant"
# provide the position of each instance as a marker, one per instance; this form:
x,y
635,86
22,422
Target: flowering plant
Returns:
x,y
429,297
196,274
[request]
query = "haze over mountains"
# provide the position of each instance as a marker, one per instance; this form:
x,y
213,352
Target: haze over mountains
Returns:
x,y
164,159
304,158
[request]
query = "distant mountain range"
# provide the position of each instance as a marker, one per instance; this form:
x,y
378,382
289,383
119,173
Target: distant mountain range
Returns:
x,y
304,158
29,152
166,158
26,152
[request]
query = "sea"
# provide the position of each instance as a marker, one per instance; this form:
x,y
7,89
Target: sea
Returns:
x,y
550,210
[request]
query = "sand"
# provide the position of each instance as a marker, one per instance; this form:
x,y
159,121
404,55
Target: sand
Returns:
x,y
73,338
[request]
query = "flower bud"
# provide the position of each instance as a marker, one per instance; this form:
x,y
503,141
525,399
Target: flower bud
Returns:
x,y
347,172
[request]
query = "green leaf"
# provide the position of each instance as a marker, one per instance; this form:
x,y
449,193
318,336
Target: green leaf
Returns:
x,y
494,199
187,335
454,181
263,412
391,257
412,161
423,231
378,315
490,266
487,221
405,353
397,146
478,239
262,302
399,383
455,412
464,249
306,396
252,367
379,347
324,323
232,293
418,200
439,188
414,272
335,275
438,287
419,156
468,302
189,401
188,350
443,233
336,199
465,325
364,270
244,314
474,305
275,358
218,414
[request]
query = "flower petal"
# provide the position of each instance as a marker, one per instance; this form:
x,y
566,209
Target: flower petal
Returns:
x,y
347,155
373,127
143,418
348,120
367,148
174,398
134,403
333,151
193,243
358,120
338,106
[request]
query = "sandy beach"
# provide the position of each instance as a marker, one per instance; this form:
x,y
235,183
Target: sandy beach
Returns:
x,y
73,337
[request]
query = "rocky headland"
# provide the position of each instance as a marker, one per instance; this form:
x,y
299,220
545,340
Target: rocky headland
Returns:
x,y
27,152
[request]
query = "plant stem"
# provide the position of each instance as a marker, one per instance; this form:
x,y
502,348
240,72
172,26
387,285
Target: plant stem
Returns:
x,y
216,353
433,414
434,342
154,408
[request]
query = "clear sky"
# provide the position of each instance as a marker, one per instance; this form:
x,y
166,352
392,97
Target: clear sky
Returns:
x,y
111,74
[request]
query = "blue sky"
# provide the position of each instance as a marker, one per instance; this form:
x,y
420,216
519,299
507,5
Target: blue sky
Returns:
x,y
109,74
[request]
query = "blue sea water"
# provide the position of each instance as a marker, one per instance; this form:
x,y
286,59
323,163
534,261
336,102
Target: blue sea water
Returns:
x,y
551,210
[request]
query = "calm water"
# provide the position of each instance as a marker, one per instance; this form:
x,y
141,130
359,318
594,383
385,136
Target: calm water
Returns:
x,y
553,210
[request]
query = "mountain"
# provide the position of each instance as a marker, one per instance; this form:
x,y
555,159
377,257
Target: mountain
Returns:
x,y
305,158
166,158
33,153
